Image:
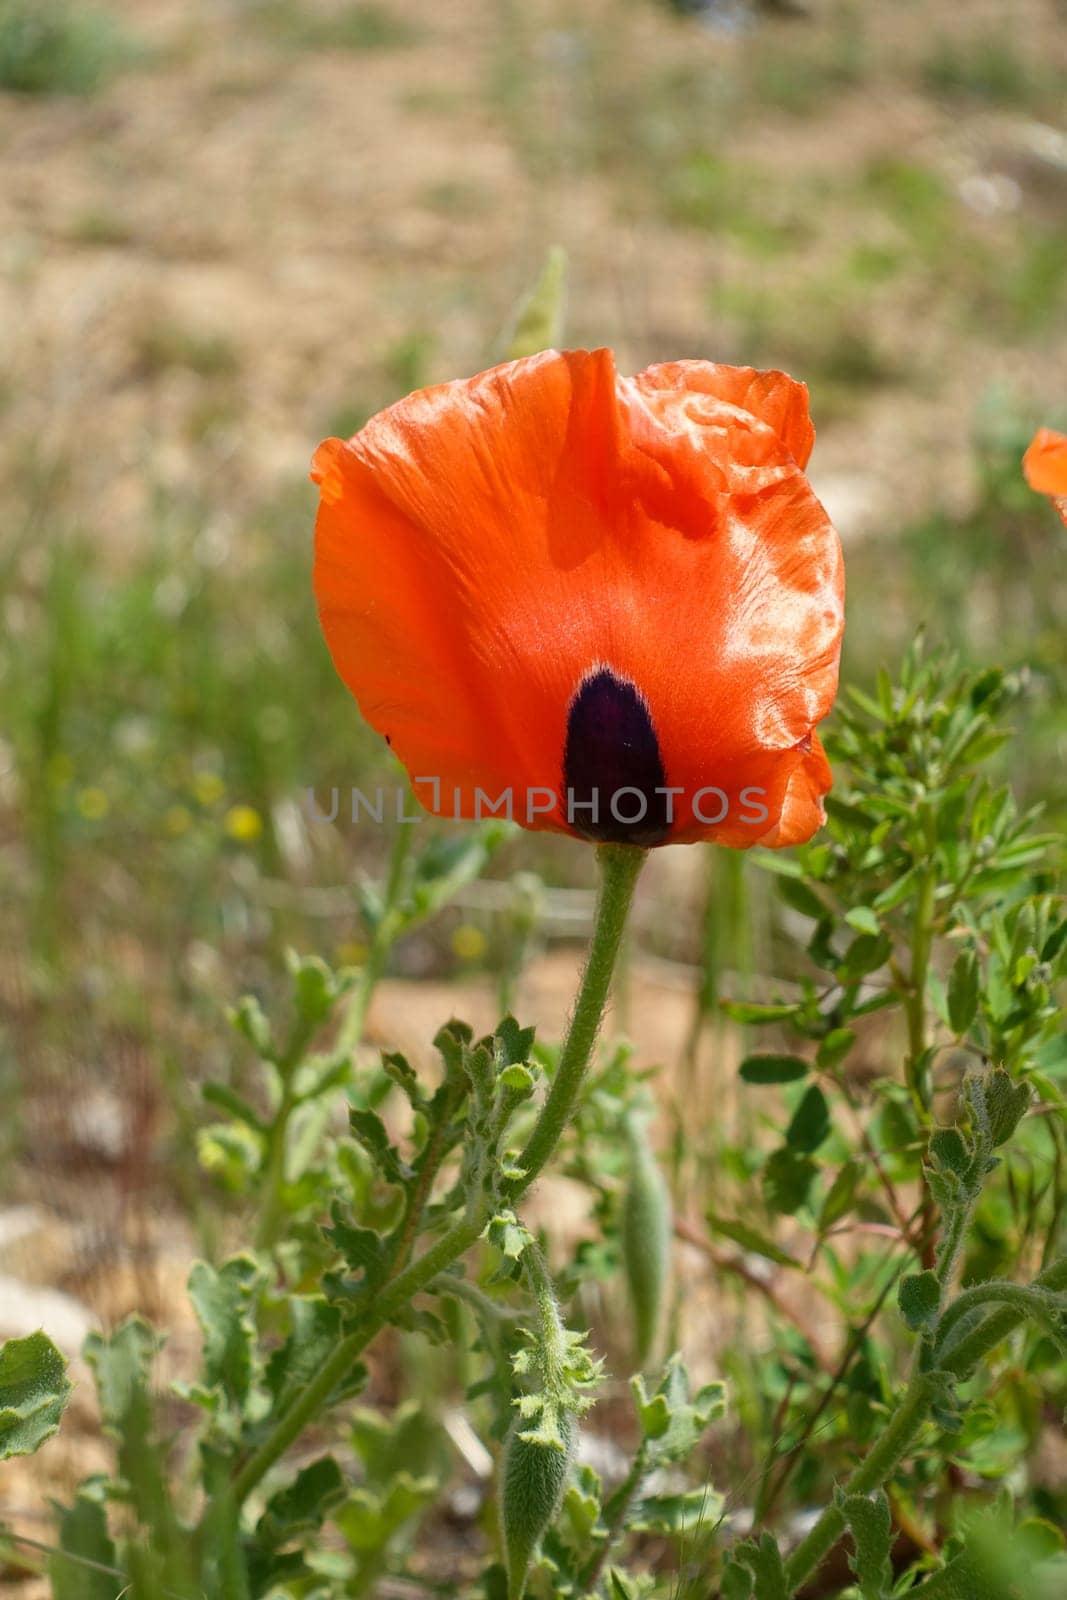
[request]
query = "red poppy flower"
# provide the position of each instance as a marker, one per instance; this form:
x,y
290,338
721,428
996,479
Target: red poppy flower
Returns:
x,y
607,606
1045,466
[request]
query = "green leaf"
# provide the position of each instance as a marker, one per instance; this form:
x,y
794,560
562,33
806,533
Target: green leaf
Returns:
x,y
34,1388
508,1235
369,1131
315,1327
679,1513
773,1069
787,1178
302,1506
864,920
842,1192
1006,1104
673,1423
810,1123
750,1238
121,1364
85,1546
919,1298
538,319
872,1532
224,1302
764,1560
363,1250
248,1019
736,1582
796,893
227,1099
834,1048
315,988
749,1013
963,991
865,954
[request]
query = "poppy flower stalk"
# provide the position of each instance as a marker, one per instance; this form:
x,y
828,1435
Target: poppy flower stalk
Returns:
x,y
620,866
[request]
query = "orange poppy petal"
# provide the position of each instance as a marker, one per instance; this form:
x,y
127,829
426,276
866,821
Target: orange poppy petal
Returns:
x,y
548,576
772,397
1045,462
1045,467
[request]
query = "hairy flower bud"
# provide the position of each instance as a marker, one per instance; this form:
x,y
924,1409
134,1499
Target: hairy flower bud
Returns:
x,y
532,1478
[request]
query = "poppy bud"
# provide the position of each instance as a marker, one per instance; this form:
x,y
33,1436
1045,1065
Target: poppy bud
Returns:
x,y
532,1478
646,1242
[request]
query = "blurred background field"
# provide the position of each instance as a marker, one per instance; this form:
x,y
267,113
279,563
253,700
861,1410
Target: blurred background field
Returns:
x,y
230,227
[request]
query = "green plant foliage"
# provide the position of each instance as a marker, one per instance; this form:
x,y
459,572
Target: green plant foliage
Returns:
x,y
34,1389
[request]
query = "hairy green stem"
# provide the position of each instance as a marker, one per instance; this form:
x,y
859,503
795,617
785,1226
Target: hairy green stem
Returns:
x,y
311,1400
908,1419
870,1475
1028,1299
973,1348
620,865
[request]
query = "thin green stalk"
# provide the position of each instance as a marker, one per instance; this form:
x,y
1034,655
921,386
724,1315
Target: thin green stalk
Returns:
x,y
620,865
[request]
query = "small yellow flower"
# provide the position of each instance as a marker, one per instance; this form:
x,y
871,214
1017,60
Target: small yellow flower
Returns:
x,y
208,787
469,943
244,824
177,820
93,804
351,953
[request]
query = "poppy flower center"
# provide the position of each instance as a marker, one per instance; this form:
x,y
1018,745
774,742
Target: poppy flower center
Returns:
x,y
613,774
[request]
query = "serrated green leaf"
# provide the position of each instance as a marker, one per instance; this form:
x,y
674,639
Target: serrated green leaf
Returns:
x,y
369,1131
508,1235
315,1328
121,1363
871,1525
736,1582
85,1547
303,1505
764,1560
224,1302
34,1389
1006,1104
